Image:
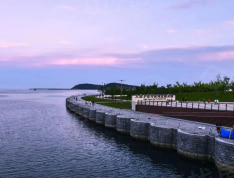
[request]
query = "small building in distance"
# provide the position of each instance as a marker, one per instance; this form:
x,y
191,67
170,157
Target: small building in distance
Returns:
x,y
151,97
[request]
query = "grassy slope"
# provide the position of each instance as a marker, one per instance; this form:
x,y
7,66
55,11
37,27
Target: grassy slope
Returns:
x,y
221,96
115,104
93,98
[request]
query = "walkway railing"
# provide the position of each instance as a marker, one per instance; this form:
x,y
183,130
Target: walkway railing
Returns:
x,y
191,105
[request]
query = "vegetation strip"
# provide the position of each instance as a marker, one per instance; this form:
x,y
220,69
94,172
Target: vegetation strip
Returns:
x,y
109,102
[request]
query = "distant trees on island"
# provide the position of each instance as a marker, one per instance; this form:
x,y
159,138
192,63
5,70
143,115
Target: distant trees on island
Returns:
x,y
218,85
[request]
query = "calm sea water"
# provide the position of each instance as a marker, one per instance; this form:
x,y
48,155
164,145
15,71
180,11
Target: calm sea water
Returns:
x,y
40,138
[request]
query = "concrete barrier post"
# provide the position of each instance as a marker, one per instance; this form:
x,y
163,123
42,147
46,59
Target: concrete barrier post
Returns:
x,y
161,136
192,145
139,129
224,154
110,120
100,117
123,124
92,115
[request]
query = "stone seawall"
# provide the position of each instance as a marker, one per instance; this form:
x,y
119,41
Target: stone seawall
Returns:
x,y
191,139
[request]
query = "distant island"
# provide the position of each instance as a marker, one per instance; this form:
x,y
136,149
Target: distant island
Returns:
x,y
87,86
49,89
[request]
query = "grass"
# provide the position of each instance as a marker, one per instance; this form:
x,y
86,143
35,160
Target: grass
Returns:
x,y
111,103
124,98
93,98
221,96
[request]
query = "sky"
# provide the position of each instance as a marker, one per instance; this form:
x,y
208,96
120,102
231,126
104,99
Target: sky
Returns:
x,y
61,43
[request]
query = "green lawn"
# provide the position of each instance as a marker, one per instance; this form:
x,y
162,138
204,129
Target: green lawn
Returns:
x,y
124,98
221,96
93,98
111,103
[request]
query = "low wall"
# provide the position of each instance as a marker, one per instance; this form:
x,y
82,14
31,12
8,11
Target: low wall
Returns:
x,y
201,146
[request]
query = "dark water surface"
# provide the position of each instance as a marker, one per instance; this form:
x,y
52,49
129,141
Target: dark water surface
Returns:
x,y
40,138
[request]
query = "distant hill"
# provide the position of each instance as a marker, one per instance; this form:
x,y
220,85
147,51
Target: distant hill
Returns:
x,y
118,85
87,86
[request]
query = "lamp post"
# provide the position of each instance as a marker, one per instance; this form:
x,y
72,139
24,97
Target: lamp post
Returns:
x,y
102,89
121,92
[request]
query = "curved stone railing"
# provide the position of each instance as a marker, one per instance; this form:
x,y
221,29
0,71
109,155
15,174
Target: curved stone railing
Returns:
x,y
164,132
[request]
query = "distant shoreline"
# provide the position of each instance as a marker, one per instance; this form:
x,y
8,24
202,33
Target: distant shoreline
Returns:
x,y
57,89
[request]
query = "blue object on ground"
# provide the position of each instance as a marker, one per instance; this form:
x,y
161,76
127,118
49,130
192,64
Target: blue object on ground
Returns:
x,y
226,134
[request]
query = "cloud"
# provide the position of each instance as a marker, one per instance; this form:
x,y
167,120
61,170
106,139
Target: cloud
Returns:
x,y
189,55
94,61
218,56
145,46
171,31
62,15
202,31
114,39
149,58
229,22
70,58
11,45
189,4
167,47
65,42
66,7
109,61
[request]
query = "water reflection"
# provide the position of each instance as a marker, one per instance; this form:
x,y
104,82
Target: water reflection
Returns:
x,y
164,160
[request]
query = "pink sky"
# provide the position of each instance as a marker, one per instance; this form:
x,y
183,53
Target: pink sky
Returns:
x,y
124,36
